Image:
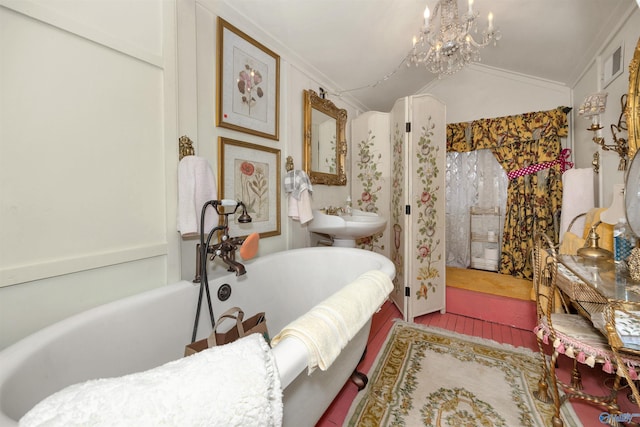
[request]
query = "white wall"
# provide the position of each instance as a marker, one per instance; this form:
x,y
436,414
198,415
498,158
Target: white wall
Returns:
x,y
478,92
88,124
591,81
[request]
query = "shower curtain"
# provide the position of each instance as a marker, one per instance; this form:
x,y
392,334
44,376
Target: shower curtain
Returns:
x,y
529,149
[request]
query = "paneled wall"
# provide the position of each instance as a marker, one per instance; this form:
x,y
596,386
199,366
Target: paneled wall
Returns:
x,y
94,97
87,117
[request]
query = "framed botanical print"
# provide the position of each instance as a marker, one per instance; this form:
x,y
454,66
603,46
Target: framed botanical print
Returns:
x,y
250,173
248,84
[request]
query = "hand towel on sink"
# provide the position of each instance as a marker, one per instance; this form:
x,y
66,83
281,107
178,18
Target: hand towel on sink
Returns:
x,y
298,185
297,181
196,186
329,326
300,209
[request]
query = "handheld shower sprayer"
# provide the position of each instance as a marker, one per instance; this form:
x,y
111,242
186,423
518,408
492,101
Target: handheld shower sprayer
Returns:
x,y
225,249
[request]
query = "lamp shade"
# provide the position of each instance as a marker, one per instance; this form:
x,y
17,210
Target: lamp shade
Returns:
x,y
593,104
616,210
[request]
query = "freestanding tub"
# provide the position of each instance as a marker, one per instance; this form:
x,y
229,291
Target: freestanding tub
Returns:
x,y
146,330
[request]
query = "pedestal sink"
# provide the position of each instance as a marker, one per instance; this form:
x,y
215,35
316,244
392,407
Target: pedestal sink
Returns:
x,y
346,229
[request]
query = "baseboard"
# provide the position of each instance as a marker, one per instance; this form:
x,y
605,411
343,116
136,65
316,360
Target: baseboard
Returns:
x,y
489,283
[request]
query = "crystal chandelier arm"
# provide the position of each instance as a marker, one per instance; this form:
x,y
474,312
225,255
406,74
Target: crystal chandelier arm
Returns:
x,y
484,43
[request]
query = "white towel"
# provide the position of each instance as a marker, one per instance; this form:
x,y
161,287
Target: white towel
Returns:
x,y
196,186
329,326
577,198
296,182
300,210
235,384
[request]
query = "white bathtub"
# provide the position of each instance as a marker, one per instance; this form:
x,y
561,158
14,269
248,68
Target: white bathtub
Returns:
x,y
149,329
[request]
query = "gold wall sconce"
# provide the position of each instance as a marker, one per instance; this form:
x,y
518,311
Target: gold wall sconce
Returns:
x,y
592,107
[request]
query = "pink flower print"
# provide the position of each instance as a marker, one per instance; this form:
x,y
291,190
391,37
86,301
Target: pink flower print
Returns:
x,y
248,81
426,196
366,196
424,251
244,82
247,168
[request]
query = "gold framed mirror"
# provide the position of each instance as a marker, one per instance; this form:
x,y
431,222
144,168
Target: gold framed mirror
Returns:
x,y
633,103
325,143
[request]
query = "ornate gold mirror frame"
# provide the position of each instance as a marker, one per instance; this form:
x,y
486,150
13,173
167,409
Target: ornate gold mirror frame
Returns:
x,y
633,103
327,168
632,180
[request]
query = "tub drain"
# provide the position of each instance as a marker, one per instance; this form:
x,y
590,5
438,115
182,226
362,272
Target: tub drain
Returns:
x,y
224,292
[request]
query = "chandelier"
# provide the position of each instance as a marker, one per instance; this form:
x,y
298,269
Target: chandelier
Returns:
x,y
444,50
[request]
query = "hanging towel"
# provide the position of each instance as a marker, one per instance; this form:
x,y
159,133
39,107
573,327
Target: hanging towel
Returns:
x,y
235,384
300,210
328,327
196,186
298,185
296,181
577,198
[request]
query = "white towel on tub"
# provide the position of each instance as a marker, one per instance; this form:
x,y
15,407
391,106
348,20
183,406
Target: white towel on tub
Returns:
x,y
235,384
329,326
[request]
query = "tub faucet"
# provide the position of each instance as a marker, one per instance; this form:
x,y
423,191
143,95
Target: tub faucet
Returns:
x,y
233,264
225,249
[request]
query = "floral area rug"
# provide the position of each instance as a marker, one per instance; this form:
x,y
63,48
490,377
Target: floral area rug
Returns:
x,y
427,376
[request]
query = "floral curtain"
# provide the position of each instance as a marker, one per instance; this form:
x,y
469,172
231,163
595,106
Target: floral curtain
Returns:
x,y
528,148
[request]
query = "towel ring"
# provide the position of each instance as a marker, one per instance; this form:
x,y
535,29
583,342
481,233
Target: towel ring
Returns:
x,y
185,147
289,164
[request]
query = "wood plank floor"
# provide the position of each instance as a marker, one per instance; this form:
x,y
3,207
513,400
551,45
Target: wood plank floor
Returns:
x,y
594,380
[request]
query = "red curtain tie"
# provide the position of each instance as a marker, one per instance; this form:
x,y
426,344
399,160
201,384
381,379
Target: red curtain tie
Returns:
x,y
561,160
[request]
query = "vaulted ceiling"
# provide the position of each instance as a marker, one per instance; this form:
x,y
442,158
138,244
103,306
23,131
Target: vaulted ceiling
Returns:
x,y
357,43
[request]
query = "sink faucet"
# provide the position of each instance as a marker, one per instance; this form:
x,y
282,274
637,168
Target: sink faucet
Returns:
x,y
332,210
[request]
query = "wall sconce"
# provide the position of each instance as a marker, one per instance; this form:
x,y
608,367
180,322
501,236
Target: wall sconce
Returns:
x,y
592,107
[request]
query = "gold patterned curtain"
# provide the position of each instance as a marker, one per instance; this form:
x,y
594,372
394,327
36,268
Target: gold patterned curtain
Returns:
x,y
528,148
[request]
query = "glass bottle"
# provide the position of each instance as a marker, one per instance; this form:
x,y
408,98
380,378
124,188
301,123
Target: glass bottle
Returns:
x,y
623,241
348,210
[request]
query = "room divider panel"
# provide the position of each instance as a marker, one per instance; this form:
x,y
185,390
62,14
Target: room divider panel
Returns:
x,y
410,169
